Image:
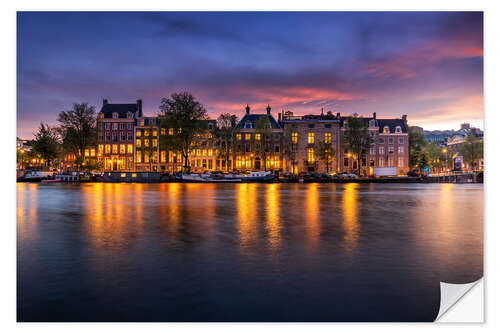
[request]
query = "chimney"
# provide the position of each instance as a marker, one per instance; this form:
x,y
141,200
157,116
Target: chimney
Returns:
x,y
104,102
375,115
404,118
279,117
247,109
268,109
338,114
139,107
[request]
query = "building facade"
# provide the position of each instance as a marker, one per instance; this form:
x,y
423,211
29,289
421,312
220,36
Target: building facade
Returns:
x,y
115,135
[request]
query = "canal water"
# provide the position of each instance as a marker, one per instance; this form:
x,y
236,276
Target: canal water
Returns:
x,y
243,252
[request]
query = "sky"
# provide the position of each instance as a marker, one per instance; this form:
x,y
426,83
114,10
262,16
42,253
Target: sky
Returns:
x,y
428,65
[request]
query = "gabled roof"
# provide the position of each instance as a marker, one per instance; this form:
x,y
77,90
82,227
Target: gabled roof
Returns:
x,y
121,109
254,118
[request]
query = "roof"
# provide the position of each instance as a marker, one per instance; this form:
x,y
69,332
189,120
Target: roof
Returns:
x,y
252,119
381,123
122,109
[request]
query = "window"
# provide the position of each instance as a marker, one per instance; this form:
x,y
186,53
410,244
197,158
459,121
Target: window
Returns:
x,y
401,141
372,150
138,157
155,142
122,149
129,115
138,133
100,149
391,141
310,155
115,115
163,156
204,152
115,137
115,149
170,131
108,126
401,149
146,132
155,132
311,126
390,162
122,126
257,136
295,137
398,129
163,131
248,136
92,152
381,140
328,125
390,149
198,152
130,126
146,143
87,153
328,137
381,150
276,137
129,136
146,157
310,137
381,162
138,143
210,152
108,149
386,129
401,162
276,148
210,164
346,161
101,137
204,165
238,136
122,136
115,126
130,148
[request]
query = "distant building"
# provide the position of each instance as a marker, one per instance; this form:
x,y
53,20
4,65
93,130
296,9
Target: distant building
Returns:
x,y
441,138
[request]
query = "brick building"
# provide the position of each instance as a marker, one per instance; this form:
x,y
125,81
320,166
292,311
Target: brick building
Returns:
x,y
115,135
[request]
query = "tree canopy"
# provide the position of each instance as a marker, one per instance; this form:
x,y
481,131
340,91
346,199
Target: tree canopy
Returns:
x,y
46,143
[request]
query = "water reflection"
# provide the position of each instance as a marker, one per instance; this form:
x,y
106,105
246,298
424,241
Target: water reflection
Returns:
x,y
273,222
246,213
312,213
350,222
27,210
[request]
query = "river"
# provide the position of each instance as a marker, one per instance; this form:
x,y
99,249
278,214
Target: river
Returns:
x,y
243,252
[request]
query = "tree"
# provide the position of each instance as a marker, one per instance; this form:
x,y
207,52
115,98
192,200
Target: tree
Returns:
x,y
325,153
357,138
77,130
471,150
225,133
417,143
46,144
182,118
290,138
263,129
149,148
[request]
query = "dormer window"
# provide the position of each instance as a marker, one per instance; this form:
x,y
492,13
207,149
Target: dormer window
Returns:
x,y
101,115
248,124
372,123
398,129
115,115
386,129
129,115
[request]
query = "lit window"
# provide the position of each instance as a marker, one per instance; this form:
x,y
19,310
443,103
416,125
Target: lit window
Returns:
x,y
248,136
390,161
138,133
163,156
138,157
130,148
146,132
115,149
238,136
198,152
401,149
134,175
310,154
138,143
170,131
328,137
155,142
146,143
257,136
401,162
295,137
155,132
146,158
310,137
123,175
381,162
204,152
122,149
108,149
386,129
87,153
381,150
210,152
163,131
100,149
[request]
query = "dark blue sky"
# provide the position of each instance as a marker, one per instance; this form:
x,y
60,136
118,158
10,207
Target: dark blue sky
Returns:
x,y
426,65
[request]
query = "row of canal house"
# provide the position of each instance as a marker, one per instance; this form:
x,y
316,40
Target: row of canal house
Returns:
x,y
129,141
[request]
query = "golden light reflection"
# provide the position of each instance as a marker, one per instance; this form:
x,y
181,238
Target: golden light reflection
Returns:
x,y
246,206
27,210
173,196
350,222
273,216
312,213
